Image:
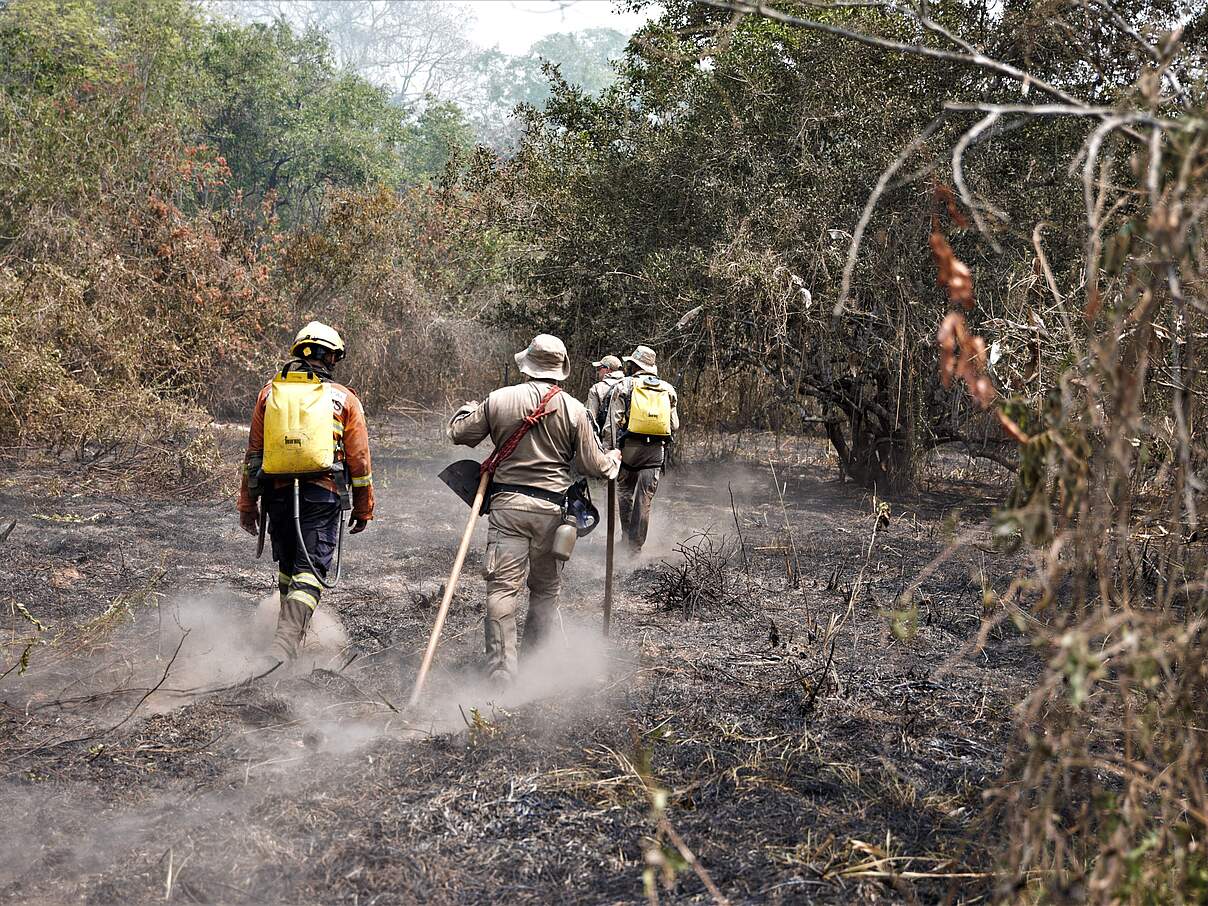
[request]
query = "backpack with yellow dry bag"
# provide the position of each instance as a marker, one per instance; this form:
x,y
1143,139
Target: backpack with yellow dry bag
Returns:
x,y
649,409
300,442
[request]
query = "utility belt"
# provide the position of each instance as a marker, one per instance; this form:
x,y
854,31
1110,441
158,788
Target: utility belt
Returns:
x,y
626,467
555,497
575,501
644,439
259,483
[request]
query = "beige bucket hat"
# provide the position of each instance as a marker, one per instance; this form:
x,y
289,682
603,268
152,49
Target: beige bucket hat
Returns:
x,y
545,359
644,358
611,362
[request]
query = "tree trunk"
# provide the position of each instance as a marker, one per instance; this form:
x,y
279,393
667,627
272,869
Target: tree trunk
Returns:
x,y
880,460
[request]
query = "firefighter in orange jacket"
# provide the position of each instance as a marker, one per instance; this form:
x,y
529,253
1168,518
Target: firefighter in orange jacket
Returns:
x,y
318,348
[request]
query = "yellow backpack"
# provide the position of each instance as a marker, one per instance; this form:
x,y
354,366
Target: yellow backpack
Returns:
x,y
298,432
650,408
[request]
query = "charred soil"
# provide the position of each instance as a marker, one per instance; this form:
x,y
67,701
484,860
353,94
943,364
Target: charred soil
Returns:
x,y
793,687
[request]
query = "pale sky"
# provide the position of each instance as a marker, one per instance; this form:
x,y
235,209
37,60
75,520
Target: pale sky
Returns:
x,y
513,25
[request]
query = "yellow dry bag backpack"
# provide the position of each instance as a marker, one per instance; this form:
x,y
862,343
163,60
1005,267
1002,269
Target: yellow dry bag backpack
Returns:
x,y
298,432
650,408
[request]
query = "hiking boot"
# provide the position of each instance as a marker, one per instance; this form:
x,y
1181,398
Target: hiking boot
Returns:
x,y
291,627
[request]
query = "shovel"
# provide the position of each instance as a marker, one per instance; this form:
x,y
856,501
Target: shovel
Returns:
x,y
456,477
462,479
263,520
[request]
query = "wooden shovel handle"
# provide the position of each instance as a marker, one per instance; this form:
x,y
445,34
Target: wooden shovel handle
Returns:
x,y
450,587
612,509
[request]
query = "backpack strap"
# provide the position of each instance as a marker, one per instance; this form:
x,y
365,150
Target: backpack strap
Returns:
x,y
303,365
616,387
543,409
601,418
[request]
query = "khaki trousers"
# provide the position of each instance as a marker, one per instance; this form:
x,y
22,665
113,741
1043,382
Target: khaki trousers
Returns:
x,y
519,541
635,497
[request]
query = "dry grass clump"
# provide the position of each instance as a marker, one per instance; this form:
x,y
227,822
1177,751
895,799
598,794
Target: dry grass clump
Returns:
x,y
1111,802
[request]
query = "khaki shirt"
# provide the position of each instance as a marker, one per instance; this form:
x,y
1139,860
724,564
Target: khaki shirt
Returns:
x,y
548,456
597,396
637,452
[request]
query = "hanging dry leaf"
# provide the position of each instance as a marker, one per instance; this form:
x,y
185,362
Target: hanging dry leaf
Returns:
x,y
954,275
688,317
964,355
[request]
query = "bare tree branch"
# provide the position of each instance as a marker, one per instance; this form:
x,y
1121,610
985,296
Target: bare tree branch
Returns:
x,y
853,250
976,59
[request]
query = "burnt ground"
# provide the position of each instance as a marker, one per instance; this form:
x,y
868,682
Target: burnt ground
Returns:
x,y
804,749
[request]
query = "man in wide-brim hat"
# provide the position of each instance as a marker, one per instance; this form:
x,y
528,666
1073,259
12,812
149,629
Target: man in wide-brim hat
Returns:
x,y
608,375
528,494
642,440
642,360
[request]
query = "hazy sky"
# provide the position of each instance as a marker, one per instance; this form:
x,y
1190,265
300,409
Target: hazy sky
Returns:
x,y
513,25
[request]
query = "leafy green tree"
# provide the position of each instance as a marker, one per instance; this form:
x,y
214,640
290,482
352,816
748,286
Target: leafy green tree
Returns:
x,y
123,267
289,123
441,135
706,203
585,59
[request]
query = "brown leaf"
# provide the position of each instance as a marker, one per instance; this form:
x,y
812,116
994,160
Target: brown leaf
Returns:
x,y
953,274
944,194
963,355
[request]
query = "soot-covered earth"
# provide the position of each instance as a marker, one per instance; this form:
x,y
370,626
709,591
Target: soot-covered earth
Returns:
x,y
791,707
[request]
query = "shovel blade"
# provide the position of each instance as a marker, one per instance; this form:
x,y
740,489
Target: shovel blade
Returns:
x,y
462,478
263,520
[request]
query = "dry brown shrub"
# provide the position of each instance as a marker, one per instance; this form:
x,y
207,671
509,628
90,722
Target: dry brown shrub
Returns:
x,y
126,273
1110,797
377,265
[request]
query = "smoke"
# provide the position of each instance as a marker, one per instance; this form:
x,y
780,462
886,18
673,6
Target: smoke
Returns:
x,y
574,661
228,755
687,503
185,648
61,840
222,637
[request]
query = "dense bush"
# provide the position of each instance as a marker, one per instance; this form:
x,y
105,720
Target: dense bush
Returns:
x,y
177,194
393,270
124,268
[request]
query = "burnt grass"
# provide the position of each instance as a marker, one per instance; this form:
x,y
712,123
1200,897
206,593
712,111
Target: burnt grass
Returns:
x,y
807,751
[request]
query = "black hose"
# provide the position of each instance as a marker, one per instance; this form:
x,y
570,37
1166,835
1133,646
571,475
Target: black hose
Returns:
x,y
302,541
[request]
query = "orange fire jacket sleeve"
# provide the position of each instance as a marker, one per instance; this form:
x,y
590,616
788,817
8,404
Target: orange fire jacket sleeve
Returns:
x,y
356,453
255,445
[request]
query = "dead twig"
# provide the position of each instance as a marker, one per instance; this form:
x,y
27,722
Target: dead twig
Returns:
x,y
163,679
742,545
690,858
